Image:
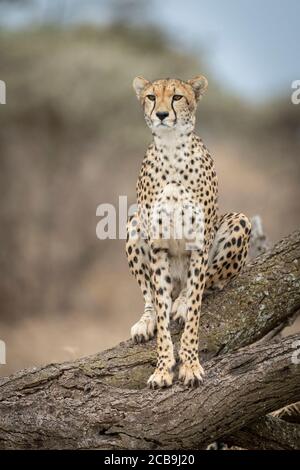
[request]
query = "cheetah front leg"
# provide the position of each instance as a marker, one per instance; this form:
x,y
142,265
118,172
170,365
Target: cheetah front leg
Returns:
x,y
190,371
179,308
162,283
137,252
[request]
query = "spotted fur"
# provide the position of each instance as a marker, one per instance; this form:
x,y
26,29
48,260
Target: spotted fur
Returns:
x,y
202,250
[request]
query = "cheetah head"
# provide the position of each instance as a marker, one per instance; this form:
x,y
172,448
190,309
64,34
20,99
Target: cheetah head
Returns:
x,y
170,104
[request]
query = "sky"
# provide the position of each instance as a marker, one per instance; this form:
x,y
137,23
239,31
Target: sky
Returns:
x,y
253,46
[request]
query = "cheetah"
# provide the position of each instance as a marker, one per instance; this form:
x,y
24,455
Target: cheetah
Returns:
x,y
178,246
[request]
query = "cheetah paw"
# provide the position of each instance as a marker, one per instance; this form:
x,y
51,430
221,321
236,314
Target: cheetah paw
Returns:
x,y
191,374
161,378
144,329
179,310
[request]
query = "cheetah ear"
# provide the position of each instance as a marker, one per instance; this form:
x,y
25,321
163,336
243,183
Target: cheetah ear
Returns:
x,y
139,83
199,85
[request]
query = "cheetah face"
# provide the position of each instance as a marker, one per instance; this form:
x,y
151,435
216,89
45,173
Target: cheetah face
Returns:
x,y
171,103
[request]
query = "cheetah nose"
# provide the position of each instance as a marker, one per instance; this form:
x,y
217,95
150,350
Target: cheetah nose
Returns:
x,y
162,115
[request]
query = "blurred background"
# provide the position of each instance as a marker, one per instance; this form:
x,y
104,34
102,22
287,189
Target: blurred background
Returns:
x,y
72,136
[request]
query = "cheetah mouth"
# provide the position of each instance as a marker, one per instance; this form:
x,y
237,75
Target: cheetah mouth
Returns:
x,y
165,125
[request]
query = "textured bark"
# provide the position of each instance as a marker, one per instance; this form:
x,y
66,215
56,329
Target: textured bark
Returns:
x,y
61,407
100,401
268,433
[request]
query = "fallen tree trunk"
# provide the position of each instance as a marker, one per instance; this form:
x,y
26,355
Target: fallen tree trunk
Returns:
x,y
68,410
100,401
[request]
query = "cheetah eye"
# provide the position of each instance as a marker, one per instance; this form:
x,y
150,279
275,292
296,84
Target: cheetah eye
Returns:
x,y
151,97
177,97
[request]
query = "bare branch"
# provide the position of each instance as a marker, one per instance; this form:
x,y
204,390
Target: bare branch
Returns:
x,y
267,433
259,242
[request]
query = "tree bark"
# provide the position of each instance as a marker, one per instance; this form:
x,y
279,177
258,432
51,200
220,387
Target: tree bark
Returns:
x,y
101,401
267,433
64,408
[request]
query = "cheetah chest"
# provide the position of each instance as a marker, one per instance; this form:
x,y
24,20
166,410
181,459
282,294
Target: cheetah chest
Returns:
x,y
176,219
